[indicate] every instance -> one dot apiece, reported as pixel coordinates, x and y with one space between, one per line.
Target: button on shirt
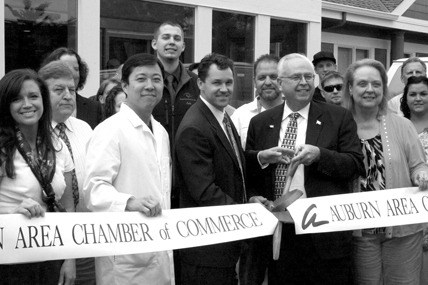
298 181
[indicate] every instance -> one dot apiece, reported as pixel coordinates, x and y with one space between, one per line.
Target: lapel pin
318 123
271 126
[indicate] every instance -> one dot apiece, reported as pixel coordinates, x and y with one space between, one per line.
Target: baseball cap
323 55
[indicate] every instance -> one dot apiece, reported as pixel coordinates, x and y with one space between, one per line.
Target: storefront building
106 32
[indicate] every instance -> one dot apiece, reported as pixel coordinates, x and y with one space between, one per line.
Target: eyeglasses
331 88
298 77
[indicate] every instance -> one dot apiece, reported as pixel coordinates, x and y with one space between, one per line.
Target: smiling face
144 89
297 92
266 80
367 88
169 43
27 108
218 86
63 97
417 98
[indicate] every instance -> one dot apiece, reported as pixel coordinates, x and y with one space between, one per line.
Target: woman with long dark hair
35 169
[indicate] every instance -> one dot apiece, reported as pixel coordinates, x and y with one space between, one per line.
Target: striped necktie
74 186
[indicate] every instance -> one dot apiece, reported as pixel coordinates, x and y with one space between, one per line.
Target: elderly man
331 88
129 169
267 94
323 62
75 133
413 66
328 152
210 167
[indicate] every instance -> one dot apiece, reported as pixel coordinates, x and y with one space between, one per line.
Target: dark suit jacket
208 174
89 111
334 131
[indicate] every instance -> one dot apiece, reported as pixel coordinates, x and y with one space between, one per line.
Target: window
33 29
327 47
287 37
361 54
381 55
233 36
127 28
344 59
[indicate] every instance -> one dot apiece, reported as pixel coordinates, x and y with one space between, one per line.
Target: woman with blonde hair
393 158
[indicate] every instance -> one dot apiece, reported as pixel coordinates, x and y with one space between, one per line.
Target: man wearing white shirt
76 133
129 169
329 153
267 94
413 66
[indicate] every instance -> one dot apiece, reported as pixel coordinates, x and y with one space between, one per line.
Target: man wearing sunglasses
331 88
323 62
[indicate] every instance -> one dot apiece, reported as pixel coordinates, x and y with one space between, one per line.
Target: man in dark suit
89 111
209 166
328 150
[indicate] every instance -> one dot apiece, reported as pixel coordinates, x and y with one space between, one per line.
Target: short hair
109 105
10 88
265 58
170 23
291 56
55 69
193 66
403 101
220 60
413 59
139 59
349 80
83 67
330 75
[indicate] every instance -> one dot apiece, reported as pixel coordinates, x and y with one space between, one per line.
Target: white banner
374 209
77 235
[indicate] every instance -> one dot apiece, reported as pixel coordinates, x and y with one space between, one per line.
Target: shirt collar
67 123
133 117
304 112
219 115
176 73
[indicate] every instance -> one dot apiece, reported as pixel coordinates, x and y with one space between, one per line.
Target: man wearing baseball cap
323 62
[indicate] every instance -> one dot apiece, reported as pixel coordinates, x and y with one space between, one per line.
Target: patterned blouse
375 171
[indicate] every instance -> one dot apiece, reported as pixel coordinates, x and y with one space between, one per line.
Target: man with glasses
326 147
331 85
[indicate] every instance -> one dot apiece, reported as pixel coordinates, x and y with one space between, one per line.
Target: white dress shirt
78 133
298 181
242 116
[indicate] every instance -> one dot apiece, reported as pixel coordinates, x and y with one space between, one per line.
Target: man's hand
262 200
147 205
276 155
67 274
422 180
307 154
29 208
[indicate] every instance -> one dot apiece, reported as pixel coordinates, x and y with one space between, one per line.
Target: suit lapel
315 124
217 130
274 127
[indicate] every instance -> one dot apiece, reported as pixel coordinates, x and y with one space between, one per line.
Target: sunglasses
330 88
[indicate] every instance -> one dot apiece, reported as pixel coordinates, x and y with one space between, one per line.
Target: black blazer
89 111
334 131
208 174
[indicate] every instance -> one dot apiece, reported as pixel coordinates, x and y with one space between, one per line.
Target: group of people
172 144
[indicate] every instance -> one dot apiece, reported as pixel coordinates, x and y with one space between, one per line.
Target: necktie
170 87
289 142
74 186
232 140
